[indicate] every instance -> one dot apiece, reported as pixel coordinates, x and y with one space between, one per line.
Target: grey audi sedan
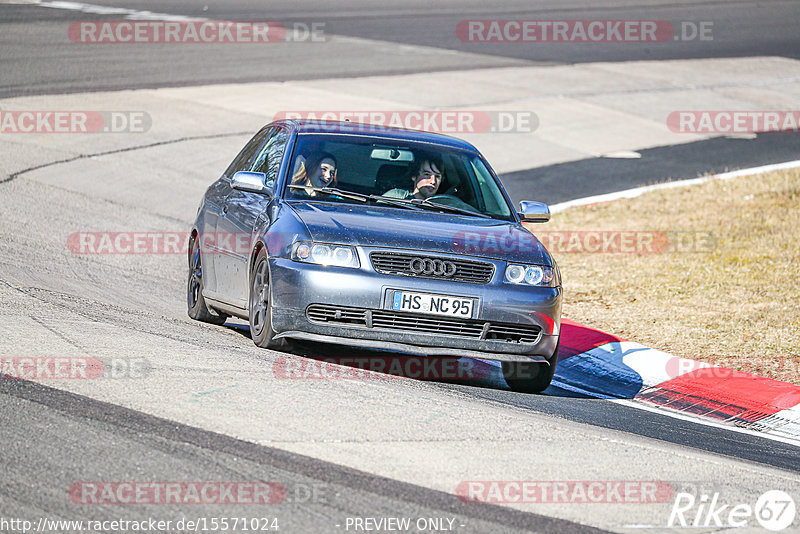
380 238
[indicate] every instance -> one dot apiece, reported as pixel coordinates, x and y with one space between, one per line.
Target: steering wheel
444 196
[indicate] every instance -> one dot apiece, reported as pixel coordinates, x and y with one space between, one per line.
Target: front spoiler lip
414 349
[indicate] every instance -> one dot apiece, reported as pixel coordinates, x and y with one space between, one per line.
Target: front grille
415 323
473 272
331 314
408 322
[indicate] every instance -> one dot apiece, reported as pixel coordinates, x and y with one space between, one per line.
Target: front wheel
529 377
261 307
196 304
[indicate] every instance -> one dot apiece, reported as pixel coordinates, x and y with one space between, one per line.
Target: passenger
425 175
322 172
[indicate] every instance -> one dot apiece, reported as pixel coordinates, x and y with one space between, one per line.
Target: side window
491 196
270 156
242 161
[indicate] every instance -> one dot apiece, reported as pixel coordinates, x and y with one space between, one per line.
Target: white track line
129 14
636 191
134 14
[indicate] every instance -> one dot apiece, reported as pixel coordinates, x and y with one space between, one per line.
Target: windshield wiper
356 196
400 202
332 191
416 203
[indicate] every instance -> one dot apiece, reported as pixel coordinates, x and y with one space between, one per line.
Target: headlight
325 254
532 275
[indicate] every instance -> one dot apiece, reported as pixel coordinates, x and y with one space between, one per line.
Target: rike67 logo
774 510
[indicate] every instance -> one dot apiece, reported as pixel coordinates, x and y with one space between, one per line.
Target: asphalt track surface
597 176
50 437
34 59
313 487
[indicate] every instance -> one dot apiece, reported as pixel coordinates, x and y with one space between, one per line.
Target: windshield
353 169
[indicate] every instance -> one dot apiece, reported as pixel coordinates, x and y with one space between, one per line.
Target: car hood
377 226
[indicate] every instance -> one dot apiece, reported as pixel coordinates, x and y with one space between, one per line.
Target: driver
426 176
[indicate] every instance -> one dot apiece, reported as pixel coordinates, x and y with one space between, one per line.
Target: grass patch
727 291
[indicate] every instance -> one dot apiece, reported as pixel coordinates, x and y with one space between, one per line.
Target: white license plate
433 304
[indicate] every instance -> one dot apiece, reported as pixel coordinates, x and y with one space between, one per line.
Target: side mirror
253 182
530 211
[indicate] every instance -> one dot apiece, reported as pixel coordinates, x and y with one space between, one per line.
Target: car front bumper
296 286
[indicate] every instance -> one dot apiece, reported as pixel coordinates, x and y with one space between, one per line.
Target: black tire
196 304
260 309
529 377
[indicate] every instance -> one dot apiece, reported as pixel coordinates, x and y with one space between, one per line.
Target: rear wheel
261 307
529 377
196 304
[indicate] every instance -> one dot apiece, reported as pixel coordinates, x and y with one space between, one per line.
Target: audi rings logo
430 266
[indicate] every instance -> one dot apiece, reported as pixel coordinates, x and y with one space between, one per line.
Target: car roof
303 126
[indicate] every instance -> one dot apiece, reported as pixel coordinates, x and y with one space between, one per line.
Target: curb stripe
627 370
577 338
